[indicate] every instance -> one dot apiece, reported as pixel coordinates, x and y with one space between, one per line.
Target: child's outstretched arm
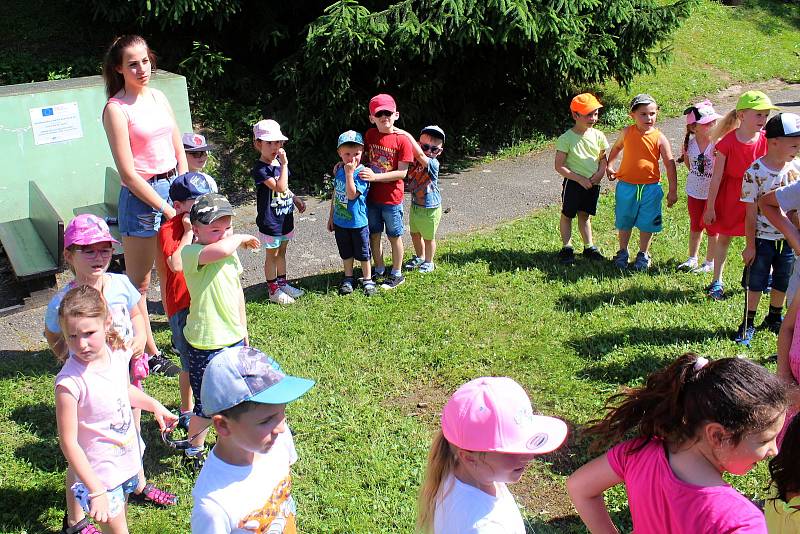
67 422
710 215
769 206
226 247
140 399
586 486
563 170
665 150
419 154
368 175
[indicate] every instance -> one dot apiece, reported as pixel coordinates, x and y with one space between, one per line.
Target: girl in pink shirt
692 421
93 411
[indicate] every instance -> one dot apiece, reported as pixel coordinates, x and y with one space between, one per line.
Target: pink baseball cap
382 102
701 113
494 414
268 130
87 229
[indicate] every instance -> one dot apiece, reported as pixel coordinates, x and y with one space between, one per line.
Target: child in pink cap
88 247
489 435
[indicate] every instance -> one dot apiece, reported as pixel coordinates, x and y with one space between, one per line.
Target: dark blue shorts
352 242
198 360
774 257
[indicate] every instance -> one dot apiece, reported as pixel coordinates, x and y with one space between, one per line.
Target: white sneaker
279 297
688 265
705 267
294 292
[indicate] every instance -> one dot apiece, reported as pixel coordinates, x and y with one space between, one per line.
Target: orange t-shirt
640 153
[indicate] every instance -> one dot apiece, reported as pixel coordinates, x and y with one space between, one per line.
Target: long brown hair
113 59
441 462
86 301
784 469
677 401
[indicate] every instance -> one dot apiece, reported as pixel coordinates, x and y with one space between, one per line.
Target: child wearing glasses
387 156
426 200
698 156
581 160
197 151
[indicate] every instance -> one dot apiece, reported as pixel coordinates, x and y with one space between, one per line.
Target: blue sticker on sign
46 112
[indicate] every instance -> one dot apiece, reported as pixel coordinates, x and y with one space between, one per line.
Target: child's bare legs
376 247
624 237
271 264
430 250
416 239
348 267
366 269
720 255
565 229
187 401
198 427
140 255
694 244
116 525
397 252
711 246
645 238
280 259
585 228
74 510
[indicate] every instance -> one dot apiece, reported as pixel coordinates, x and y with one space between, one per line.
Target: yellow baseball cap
754 100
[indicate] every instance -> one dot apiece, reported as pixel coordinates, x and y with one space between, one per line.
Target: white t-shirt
464 509
698 183
247 499
758 181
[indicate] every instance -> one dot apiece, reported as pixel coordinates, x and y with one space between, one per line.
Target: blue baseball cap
350 136
189 185
239 374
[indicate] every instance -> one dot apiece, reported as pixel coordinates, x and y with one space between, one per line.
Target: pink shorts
696 208
274 241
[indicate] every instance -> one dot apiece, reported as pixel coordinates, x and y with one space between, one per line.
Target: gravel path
479 197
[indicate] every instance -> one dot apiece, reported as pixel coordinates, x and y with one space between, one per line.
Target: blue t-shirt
274 211
423 183
120 295
349 213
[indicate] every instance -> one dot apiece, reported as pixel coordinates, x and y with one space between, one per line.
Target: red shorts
729 209
696 208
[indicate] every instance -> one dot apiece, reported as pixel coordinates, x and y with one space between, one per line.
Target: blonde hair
725 125
441 462
85 301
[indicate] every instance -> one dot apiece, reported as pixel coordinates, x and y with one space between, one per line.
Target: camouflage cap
210 207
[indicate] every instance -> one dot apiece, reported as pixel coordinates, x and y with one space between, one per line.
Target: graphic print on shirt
340 202
124 423
419 183
381 158
281 202
277 516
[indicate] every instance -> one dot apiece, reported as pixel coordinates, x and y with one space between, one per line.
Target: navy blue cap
189 185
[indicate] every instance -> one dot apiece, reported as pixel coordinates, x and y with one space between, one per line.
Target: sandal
84 526
153 495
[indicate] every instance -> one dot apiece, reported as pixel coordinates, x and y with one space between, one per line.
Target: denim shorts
352 242
775 257
638 205
117 497
389 216
198 360
177 323
137 218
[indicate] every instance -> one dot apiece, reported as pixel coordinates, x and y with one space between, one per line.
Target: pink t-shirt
660 503
150 127
739 156
106 431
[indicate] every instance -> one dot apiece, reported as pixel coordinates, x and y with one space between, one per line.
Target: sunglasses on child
95 252
197 154
433 149
384 113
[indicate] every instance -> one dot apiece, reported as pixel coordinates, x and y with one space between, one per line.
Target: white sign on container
53 124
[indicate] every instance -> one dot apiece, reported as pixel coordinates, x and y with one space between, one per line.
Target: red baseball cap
382 102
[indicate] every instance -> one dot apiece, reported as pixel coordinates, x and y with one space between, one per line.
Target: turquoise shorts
639 206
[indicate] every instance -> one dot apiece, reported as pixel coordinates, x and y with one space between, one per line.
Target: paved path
482 196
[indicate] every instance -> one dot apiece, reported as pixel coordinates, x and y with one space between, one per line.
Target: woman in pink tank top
789 359
146 144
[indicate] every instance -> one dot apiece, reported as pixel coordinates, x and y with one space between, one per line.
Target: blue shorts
352 242
274 241
774 257
177 323
117 497
137 218
639 206
389 216
198 360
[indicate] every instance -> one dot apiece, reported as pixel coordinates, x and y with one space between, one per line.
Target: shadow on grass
595 346
318 283
20 363
572 523
21 509
590 302
788 11
40 420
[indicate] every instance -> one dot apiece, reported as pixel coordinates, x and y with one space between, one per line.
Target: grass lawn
497 304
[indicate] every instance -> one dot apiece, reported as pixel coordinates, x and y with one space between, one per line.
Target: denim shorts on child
352 242
424 221
776 257
137 218
575 198
116 496
198 360
638 205
389 216
176 324
274 241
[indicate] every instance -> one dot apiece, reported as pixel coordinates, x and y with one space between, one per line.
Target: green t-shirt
583 151
213 321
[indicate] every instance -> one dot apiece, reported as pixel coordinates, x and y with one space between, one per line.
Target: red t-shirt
739 156
176 295
384 153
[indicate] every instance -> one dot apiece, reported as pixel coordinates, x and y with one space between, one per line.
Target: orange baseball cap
585 103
